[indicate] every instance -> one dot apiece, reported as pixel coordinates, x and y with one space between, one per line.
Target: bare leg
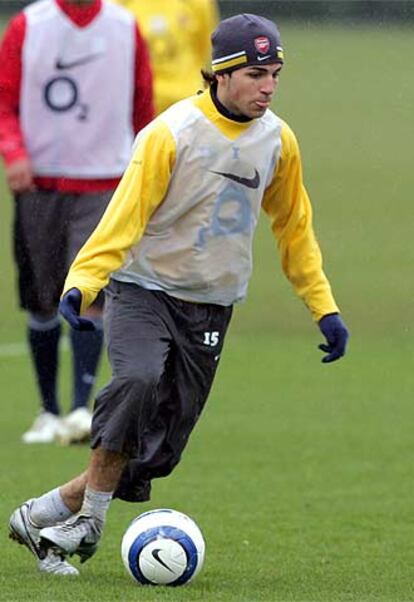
72 492
103 474
105 469
88 494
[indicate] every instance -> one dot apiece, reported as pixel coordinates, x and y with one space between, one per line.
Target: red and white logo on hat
262 44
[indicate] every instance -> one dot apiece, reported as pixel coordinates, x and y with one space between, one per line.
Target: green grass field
299 474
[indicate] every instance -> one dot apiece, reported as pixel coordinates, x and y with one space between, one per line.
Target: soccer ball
163 547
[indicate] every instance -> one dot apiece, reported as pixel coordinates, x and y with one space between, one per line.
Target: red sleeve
143 110
12 145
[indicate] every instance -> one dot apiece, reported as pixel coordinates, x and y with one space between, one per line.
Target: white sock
49 509
96 504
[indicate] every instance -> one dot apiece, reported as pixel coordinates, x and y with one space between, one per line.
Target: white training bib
78 85
197 245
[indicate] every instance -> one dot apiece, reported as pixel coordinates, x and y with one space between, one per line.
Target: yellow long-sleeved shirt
183 217
178 37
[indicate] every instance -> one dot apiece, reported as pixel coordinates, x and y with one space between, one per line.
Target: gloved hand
70 306
336 334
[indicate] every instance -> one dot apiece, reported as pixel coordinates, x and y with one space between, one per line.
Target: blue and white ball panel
163 547
171 565
163 555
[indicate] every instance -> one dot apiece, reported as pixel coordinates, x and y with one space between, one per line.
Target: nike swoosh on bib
156 554
249 182
61 64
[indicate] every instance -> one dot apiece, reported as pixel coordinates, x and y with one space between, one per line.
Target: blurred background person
75 87
178 37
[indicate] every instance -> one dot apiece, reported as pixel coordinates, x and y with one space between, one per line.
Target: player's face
248 91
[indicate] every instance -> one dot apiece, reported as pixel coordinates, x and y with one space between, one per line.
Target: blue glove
336 334
70 306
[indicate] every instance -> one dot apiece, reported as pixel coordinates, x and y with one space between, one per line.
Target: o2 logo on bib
231 215
61 94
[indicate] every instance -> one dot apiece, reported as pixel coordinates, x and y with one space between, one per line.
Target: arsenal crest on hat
245 40
262 44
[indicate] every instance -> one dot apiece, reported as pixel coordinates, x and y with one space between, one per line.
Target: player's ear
221 77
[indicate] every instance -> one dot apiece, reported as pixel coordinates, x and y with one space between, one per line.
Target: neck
221 107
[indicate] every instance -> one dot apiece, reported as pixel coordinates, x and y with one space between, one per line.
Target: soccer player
178 38
75 87
174 251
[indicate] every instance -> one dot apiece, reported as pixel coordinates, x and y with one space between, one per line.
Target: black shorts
49 229
164 353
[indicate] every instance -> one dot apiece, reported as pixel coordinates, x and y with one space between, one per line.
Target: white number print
211 338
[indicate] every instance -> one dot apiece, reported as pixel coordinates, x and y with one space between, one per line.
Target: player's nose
268 85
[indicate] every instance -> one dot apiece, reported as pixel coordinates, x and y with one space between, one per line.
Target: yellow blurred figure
178 36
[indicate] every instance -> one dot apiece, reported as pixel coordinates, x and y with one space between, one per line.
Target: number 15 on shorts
211 339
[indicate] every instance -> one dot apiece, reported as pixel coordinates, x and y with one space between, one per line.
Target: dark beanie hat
245 40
